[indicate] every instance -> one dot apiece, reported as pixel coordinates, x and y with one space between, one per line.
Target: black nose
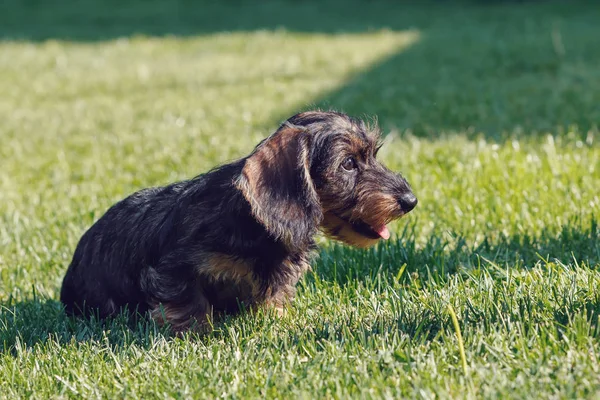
407 201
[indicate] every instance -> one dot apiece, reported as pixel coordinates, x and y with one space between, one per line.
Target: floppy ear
276 181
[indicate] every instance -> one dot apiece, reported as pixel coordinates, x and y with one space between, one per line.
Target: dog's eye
349 164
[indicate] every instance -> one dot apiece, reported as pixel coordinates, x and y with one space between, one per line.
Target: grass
491 113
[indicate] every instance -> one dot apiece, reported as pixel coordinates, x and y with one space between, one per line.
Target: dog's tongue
383 231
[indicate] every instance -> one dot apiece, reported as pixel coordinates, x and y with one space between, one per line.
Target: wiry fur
241 233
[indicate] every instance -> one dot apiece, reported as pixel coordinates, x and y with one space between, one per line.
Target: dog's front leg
279 300
281 289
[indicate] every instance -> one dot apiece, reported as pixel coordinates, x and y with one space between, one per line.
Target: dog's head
319 170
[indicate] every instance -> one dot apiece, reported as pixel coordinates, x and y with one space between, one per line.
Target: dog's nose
407 201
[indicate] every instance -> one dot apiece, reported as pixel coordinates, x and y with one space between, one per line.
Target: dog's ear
276 181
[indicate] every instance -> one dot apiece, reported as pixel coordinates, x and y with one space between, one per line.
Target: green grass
491 113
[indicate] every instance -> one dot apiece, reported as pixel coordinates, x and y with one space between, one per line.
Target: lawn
490 110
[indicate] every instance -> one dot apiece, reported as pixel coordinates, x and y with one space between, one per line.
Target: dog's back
104 273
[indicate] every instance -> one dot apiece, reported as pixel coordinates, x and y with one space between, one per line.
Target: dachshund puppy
241 234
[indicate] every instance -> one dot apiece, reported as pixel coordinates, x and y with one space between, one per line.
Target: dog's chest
228 296
227 282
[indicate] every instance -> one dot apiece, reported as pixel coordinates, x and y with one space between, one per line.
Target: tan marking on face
357 147
376 209
337 228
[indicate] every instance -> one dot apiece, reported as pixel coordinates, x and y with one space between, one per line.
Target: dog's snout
407 201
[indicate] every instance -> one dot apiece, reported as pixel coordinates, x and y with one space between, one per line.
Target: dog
241 235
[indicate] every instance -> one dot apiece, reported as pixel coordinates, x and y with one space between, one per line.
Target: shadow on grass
577 317
439 257
501 69
97 20
430 266
27 323
24 324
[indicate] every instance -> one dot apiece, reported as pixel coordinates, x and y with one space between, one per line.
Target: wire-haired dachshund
241 234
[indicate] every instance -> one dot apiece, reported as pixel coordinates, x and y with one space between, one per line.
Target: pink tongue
383 231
